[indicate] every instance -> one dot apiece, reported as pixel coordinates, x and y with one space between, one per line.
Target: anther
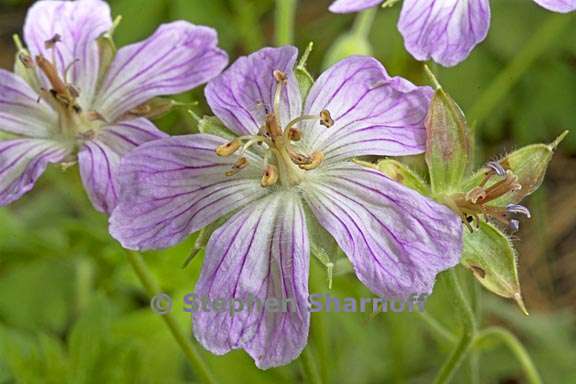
326 119
294 134
270 176
238 165
228 148
279 76
26 60
316 160
49 44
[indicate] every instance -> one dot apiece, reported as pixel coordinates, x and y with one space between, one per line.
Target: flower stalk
284 23
151 287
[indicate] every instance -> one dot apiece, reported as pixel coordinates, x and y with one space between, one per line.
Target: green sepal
107 49
213 126
448 143
24 65
348 44
404 175
489 254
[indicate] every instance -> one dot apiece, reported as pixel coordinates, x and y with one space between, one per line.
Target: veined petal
22 162
444 30
179 56
21 112
562 6
78 23
373 113
173 187
243 94
396 239
99 159
261 254
347 6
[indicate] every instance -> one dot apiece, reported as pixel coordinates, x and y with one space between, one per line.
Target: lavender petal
261 253
519 209
173 187
79 24
562 6
443 30
99 159
22 162
373 113
348 6
243 95
397 240
179 56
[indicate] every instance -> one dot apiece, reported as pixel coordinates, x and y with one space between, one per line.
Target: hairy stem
515 346
151 287
284 21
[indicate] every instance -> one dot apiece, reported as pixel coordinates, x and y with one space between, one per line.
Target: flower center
282 161
474 203
74 123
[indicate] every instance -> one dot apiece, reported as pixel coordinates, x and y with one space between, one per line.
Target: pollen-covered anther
51 43
238 166
326 119
315 160
270 176
228 148
280 76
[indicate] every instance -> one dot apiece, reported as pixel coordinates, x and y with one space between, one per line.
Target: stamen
476 194
228 148
316 160
238 166
326 119
281 79
270 176
294 134
51 43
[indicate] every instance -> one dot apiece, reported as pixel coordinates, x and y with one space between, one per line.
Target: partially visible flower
288 172
67 103
445 31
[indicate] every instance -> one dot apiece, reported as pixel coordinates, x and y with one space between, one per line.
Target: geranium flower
445 31
286 173
68 104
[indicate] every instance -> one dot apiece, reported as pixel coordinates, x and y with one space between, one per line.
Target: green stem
501 86
284 21
151 287
516 347
363 23
311 372
436 327
466 315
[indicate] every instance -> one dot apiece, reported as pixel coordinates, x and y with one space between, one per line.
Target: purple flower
443 30
285 174
69 105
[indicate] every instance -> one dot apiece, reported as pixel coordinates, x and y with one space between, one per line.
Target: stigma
476 201
284 163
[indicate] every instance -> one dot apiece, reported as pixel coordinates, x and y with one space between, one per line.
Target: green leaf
489 254
448 143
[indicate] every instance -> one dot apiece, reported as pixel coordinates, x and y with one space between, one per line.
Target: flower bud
448 143
489 254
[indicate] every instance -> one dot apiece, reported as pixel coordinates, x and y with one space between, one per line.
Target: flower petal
261 254
243 94
179 56
22 162
21 112
373 113
396 239
99 159
79 24
444 30
347 6
562 6
175 186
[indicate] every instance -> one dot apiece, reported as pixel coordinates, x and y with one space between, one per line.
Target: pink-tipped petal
260 254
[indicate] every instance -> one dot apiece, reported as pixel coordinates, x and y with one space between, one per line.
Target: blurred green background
72 311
